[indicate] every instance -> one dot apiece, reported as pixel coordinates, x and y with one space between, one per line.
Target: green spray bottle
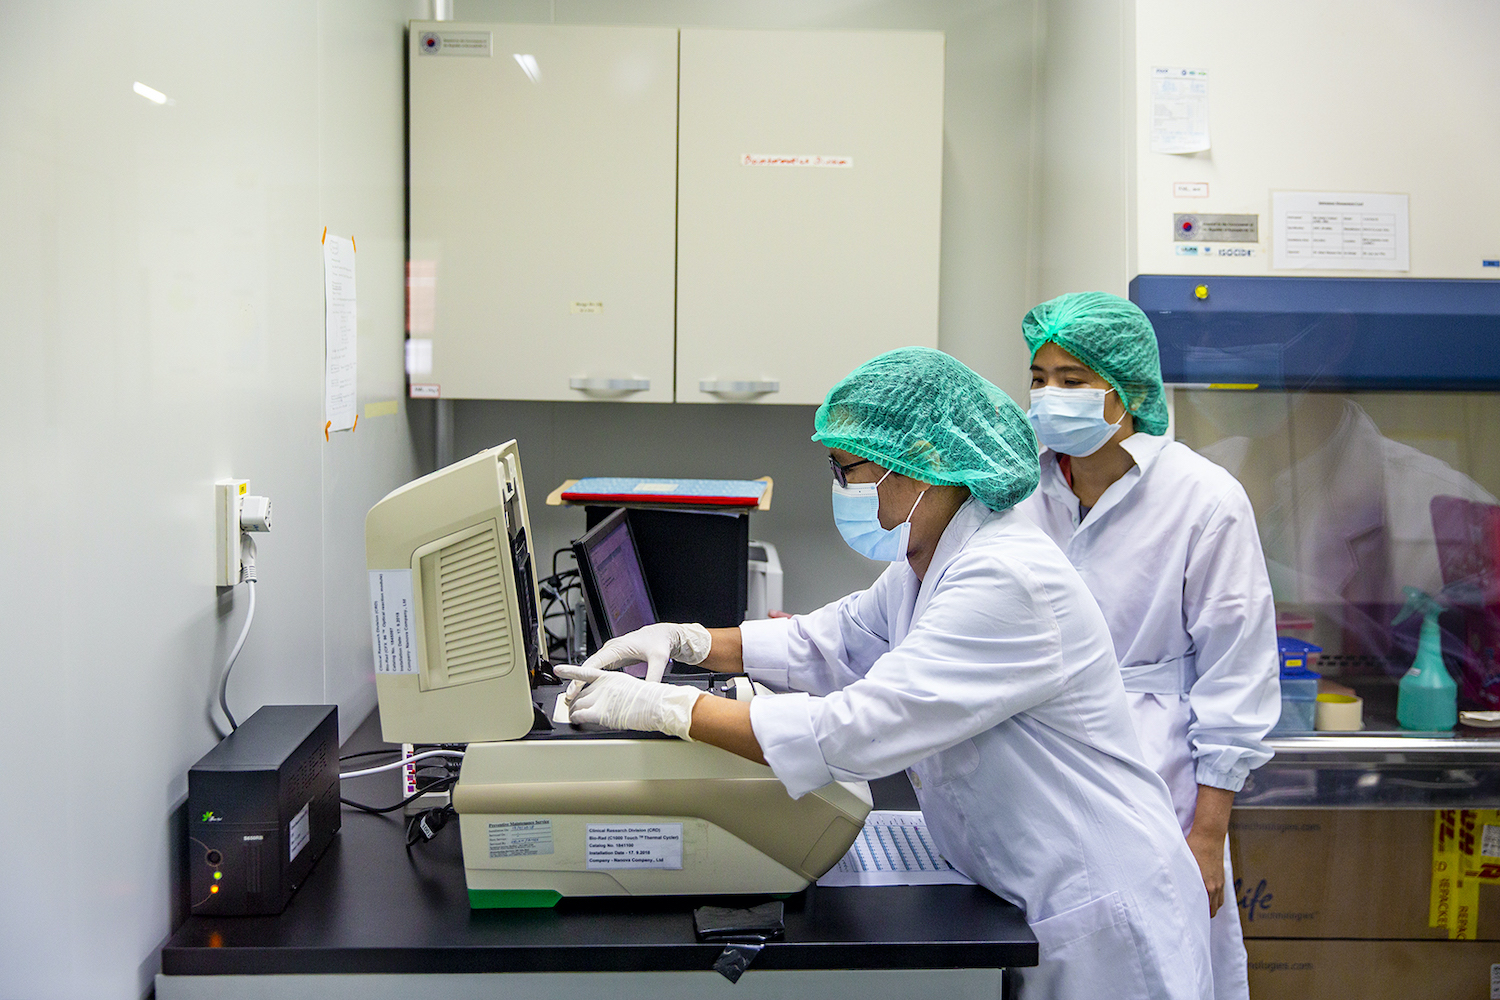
1427 698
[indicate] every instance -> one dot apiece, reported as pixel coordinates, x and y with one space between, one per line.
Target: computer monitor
614 584
453 594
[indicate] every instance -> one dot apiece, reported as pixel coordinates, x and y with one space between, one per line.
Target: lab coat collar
1143 448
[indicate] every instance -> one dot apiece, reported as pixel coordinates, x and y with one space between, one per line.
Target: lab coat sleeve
1229 612
986 647
826 649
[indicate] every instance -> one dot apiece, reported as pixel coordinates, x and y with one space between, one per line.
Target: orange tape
325 429
352 246
355 426
325 235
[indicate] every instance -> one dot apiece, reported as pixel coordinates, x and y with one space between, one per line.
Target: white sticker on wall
391 622
1342 230
1190 189
298 832
523 838
585 307
795 160
634 845
419 356
426 390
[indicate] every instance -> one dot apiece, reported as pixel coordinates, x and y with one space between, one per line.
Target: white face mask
856 513
1071 421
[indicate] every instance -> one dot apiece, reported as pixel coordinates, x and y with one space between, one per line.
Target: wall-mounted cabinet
651 214
542 198
809 207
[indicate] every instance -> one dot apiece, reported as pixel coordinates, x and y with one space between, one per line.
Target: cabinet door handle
709 385
610 384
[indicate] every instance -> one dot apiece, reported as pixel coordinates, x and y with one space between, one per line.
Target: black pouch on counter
745 933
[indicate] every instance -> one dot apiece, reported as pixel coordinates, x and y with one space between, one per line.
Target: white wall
985 285
1086 152
161 314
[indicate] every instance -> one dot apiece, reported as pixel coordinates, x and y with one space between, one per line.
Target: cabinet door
543 173
809 207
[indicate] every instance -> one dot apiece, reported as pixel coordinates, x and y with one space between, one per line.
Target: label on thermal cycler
634 845
391 622
520 838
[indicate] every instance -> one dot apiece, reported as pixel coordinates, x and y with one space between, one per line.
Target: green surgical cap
1113 337
924 414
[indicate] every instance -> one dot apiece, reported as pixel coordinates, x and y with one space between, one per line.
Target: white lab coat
993 681
1171 553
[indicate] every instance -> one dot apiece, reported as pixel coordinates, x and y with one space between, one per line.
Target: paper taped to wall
1179 110
341 337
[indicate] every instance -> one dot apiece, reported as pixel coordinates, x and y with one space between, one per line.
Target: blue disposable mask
1071 421
856 513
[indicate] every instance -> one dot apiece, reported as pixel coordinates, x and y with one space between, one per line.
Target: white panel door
809 207
543 179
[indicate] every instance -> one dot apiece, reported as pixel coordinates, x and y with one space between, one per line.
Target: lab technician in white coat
979 662
1166 541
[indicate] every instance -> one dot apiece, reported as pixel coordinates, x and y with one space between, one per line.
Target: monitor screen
614 584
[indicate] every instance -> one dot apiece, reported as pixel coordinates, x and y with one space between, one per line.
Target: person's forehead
1050 357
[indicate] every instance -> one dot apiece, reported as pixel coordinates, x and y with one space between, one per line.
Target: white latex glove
654 645
619 701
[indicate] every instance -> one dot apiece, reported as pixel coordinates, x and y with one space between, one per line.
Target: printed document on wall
1340 231
340 397
894 848
1179 110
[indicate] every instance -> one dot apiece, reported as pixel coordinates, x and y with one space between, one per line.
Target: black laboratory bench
371 912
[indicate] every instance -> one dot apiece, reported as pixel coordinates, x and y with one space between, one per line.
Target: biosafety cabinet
1298 195
658 215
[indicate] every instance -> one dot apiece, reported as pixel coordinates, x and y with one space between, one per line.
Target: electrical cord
423 826
397 750
247 575
400 763
442 784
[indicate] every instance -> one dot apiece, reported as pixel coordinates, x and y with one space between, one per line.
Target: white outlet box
227 494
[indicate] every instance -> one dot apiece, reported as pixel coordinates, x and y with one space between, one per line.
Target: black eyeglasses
841 472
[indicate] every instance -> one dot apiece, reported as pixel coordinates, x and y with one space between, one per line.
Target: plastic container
1427 697
1299 688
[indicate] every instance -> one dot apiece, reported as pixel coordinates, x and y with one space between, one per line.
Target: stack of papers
894 848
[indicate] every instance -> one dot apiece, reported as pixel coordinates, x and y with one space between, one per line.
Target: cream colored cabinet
593 217
809 207
543 164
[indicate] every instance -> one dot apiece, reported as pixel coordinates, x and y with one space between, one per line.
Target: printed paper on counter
1179 110
340 335
894 848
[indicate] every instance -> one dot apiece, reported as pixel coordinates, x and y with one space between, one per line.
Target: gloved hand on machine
603 695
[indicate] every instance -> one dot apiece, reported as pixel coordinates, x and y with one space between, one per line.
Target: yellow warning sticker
1479 839
1461 861
1446 864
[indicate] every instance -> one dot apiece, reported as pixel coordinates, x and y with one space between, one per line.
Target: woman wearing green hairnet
1166 541
977 661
